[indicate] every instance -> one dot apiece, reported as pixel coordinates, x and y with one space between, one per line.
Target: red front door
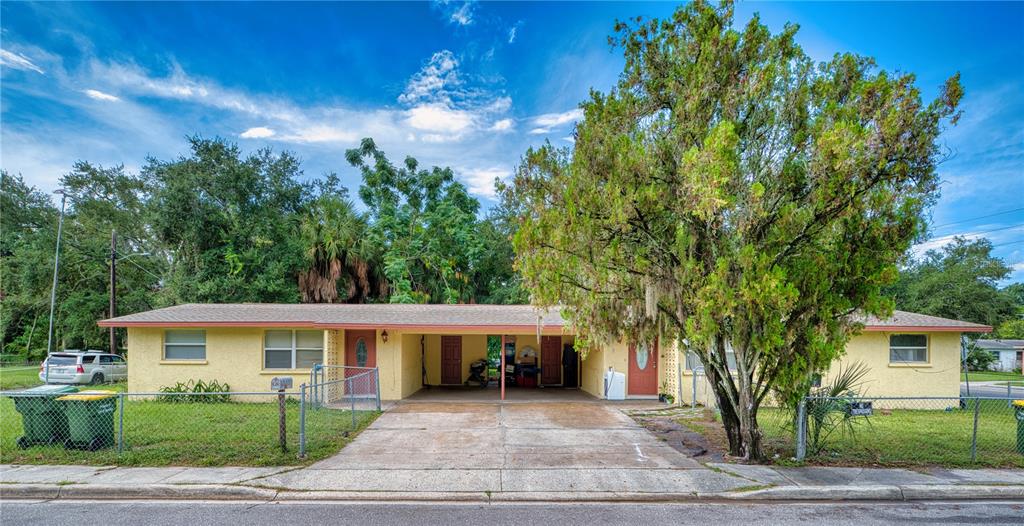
360 357
550 360
451 360
643 369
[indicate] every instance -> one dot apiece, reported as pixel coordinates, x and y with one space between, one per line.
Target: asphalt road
310 513
987 389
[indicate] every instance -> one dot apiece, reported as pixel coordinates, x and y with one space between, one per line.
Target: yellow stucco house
414 346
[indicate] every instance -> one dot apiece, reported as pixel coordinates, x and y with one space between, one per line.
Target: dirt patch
688 431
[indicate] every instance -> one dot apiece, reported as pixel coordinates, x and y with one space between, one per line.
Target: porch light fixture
384 336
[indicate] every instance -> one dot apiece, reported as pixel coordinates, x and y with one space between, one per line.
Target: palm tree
339 247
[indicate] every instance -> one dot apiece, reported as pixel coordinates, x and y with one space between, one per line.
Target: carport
549 364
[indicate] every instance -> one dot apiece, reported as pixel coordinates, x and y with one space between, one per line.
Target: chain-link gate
336 392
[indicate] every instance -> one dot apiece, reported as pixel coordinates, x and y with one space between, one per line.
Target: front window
908 348
292 349
185 345
693 361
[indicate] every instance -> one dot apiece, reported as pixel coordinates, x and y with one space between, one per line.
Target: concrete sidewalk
714 482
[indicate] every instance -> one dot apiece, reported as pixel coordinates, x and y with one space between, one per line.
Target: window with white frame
908 348
185 344
693 361
292 349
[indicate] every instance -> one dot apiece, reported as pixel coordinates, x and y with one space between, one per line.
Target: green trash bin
1018 407
90 417
42 416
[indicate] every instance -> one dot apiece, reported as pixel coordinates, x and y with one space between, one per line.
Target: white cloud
463 16
996 233
439 118
99 95
512 34
549 121
321 133
445 115
481 181
442 104
259 132
502 125
558 119
17 61
500 105
434 80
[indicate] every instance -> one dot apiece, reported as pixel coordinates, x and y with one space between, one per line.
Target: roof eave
926 328
506 328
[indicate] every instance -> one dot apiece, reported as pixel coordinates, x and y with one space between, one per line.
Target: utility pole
56 265
113 288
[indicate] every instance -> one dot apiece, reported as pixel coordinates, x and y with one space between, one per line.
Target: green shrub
196 388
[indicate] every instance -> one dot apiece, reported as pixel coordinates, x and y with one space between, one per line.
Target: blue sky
470 86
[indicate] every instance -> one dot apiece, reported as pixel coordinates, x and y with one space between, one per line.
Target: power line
969 219
993 230
1008 243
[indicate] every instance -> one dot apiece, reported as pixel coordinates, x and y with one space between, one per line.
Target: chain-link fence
956 431
354 398
198 429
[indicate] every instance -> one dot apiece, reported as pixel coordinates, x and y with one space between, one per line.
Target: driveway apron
509 447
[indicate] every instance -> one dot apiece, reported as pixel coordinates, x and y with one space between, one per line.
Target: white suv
77 367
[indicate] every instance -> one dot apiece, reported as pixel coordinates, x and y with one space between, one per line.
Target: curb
778 493
153 491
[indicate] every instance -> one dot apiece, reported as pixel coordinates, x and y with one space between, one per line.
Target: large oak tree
729 193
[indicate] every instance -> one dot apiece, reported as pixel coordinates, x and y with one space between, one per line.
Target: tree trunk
730 421
739 415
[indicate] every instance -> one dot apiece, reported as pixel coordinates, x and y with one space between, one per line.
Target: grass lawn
900 437
182 434
19 377
991 376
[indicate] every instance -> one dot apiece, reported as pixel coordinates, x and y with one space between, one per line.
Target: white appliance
614 385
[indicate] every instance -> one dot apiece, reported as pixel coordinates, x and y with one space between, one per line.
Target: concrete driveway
485 447
527 435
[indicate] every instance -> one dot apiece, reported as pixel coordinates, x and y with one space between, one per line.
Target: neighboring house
1008 353
246 345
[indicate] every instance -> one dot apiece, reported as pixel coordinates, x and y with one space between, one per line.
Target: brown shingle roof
343 315
902 320
520 317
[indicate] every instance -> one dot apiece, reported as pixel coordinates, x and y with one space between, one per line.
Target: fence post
974 434
352 398
281 422
302 421
801 429
1009 395
377 382
120 423
693 398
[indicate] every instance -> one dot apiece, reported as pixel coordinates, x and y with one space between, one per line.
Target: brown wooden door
550 360
451 360
360 357
643 369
